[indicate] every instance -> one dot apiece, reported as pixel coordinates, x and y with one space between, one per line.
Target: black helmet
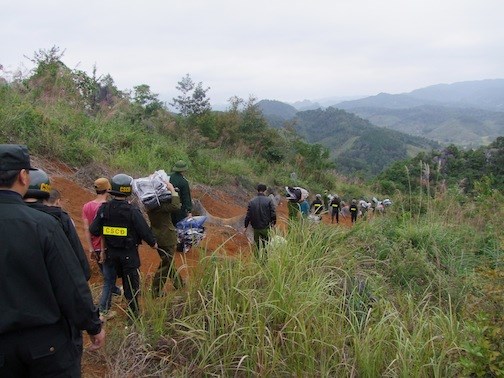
40 186
121 185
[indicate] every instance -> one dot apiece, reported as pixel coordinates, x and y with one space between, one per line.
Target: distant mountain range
482 94
467 114
368 133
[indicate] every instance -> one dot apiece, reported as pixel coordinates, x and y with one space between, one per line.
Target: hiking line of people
261 212
299 206
42 261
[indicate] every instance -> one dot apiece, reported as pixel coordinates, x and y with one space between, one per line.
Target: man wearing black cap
44 296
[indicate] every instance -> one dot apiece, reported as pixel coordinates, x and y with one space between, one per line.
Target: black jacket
41 279
69 230
261 212
335 203
121 216
317 206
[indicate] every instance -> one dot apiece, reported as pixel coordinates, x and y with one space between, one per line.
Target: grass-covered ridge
67 115
415 292
397 295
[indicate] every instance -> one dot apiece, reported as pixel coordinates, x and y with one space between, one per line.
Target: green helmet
121 185
40 186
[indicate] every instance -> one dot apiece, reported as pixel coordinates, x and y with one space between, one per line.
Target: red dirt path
220 204
224 240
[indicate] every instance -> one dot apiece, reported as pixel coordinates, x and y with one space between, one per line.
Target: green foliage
389 297
356 146
80 119
475 172
193 100
465 126
392 296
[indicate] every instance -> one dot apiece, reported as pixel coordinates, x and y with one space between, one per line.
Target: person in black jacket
37 198
261 215
44 296
317 206
353 210
123 227
335 205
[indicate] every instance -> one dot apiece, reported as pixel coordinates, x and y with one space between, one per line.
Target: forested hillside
84 119
470 171
354 144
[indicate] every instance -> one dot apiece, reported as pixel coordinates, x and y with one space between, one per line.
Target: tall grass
383 298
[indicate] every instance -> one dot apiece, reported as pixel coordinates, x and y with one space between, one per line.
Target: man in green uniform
326 200
44 296
182 186
166 237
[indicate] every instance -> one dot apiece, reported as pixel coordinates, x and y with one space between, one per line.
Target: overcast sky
284 50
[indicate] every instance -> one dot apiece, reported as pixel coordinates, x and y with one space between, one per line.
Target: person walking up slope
353 210
44 297
166 236
123 227
261 215
37 198
317 206
96 249
335 205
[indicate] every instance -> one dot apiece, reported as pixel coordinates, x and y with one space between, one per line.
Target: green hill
461 126
354 143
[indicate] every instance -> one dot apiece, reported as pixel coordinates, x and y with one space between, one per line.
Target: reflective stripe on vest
115 231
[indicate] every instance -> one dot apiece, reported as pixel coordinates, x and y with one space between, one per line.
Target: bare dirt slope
224 236
223 231
225 206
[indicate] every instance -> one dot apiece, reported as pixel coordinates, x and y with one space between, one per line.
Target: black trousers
127 263
353 216
46 351
335 214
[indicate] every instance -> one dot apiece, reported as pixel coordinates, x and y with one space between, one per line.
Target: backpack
152 190
296 193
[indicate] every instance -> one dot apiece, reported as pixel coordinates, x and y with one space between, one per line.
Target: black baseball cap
14 157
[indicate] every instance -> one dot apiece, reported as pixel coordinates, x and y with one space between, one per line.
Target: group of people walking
261 211
45 298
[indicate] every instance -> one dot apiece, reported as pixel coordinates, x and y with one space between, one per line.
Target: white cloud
285 50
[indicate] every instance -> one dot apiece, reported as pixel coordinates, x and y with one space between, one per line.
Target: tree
44 58
193 100
146 99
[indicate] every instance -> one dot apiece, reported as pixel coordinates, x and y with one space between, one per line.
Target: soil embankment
224 230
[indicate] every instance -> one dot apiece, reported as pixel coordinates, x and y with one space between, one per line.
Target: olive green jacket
181 183
161 222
